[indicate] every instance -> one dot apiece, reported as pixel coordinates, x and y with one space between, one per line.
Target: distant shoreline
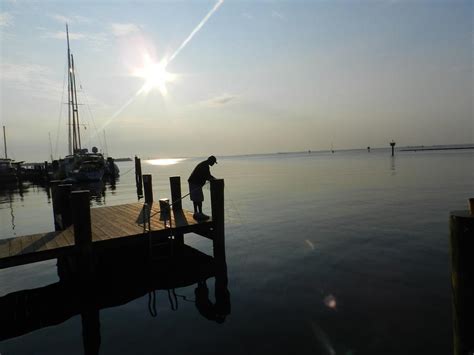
440 148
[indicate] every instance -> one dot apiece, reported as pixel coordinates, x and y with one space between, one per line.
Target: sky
192 78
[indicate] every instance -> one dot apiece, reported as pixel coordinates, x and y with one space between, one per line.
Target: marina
342 130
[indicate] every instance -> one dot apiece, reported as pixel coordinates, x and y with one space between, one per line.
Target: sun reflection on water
168 161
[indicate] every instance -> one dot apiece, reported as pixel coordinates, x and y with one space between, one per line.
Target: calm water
343 253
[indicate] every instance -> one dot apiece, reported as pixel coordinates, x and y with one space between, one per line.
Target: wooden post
81 216
222 306
175 184
138 177
61 205
148 187
217 205
461 225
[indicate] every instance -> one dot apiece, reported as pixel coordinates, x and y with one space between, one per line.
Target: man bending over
197 179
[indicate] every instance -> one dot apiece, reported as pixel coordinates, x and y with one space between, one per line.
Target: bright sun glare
155 75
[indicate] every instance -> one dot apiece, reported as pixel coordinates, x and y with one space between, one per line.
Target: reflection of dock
118 280
116 283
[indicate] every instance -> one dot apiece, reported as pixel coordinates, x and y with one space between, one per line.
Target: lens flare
155 76
155 73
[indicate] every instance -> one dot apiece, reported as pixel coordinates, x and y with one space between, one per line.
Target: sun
155 76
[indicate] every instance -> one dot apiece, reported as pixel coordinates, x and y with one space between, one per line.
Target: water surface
343 253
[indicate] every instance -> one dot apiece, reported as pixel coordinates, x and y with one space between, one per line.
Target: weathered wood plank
26 243
65 238
47 242
4 248
15 246
53 243
98 234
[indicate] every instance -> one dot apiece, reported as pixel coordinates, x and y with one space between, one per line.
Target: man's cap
212 158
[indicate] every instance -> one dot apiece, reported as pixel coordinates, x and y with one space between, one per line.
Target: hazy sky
191 78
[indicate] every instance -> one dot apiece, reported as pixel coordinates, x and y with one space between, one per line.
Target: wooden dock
111 227
102 260
103 228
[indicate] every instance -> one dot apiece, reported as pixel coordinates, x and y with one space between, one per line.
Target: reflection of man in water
215 312
198 178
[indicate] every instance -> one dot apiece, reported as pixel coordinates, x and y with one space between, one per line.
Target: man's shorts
195 192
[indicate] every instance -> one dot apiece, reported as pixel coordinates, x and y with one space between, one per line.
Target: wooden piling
217 206
81 216
175 184
148 188
138 177
61 204
462 278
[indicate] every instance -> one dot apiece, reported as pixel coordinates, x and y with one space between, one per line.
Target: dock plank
66 238
15 246
26 243
47 241
4 248
53 243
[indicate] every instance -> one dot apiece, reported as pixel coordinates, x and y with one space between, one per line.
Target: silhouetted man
198 178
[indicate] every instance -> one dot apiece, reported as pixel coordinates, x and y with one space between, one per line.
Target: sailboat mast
50 147
69 125
75 110
105 143
5 142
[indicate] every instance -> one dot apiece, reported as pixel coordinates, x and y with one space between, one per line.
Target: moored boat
8 172
79 165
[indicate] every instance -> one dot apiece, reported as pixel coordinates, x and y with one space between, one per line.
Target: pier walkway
82 231
112 226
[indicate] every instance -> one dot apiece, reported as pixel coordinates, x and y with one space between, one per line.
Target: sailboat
80 164
8 172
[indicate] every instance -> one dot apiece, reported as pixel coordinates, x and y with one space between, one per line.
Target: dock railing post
81 216
148 188
175 184
138 177
217 206
461 225
61 204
